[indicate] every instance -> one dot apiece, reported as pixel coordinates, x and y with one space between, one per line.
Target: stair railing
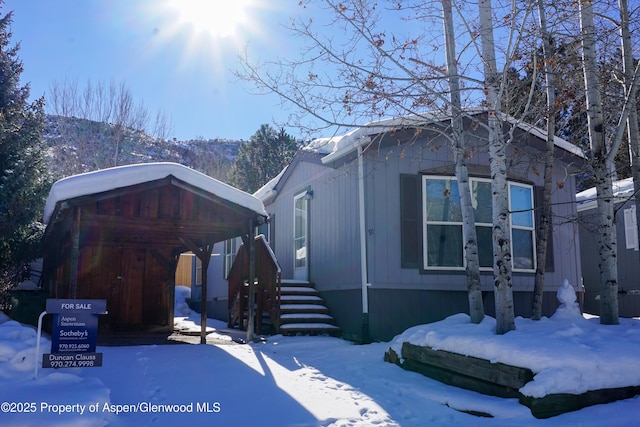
268 283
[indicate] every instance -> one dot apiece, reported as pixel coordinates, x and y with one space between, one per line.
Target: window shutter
410 231
631 228
538 197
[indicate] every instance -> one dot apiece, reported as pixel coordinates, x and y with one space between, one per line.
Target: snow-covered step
298 290
305 318
309 329
303 311
302 299
303 308
293 282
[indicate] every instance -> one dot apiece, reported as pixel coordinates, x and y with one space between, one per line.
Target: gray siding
400 297
217 289
334 249
383 222
628 265
393 311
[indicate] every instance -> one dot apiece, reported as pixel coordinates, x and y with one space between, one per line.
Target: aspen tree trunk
502 264
476 308
603 169
633 131
545 210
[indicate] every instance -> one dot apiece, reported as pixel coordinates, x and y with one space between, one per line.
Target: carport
117 234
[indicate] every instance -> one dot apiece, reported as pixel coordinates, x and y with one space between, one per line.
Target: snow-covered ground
319 381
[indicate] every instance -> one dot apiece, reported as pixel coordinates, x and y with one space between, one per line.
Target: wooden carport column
204 255
250 244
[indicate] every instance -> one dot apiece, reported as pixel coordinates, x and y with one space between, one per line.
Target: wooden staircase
266 286
288 307
303 311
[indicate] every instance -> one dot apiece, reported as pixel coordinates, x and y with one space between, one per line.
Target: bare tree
604 151
372 71
545 210
502 265
94 106
633 129
476 308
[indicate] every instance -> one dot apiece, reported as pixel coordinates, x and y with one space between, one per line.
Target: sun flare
215 18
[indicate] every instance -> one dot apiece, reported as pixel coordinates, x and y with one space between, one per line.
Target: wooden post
252 286
204 254
75 253
205 258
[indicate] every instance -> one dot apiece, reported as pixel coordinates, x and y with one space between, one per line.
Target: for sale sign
88 306
74 333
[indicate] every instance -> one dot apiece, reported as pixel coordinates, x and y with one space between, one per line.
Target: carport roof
124 176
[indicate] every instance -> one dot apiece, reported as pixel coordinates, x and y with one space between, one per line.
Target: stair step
298 290
306 318
291 282
309 328
302 299
303 308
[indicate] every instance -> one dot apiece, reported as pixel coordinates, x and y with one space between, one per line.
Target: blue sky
167 57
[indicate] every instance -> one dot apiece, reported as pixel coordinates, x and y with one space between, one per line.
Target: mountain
80 145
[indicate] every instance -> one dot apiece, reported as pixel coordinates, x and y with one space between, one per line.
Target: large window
442 231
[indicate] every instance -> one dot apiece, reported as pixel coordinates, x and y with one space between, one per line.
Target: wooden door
126 302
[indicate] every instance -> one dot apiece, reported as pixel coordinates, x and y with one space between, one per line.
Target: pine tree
24 177
262 158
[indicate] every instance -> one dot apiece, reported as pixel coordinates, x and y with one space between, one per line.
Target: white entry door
300 237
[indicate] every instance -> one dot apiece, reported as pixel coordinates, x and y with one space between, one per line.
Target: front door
300 237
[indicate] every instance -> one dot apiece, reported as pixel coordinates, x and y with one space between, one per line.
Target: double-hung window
522 227
443 240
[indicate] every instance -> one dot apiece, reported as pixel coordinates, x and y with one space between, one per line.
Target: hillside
79 145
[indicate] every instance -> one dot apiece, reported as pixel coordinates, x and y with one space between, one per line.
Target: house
371 218
628 254
117 234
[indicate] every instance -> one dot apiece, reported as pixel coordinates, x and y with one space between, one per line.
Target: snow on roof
124 176
267 190
587 199
338 146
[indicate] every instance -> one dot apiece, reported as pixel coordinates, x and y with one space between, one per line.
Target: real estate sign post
74 333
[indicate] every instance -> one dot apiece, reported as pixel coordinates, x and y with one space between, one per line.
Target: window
230 250
264 230
522 226
631 228
442 232
300 216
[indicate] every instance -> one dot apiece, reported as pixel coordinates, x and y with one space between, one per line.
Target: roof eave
343 152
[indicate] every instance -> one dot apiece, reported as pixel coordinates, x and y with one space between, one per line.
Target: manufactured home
372 219
628 254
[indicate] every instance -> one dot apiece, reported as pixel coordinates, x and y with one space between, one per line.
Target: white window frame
531 229
230 250
304 236
426 223
631 228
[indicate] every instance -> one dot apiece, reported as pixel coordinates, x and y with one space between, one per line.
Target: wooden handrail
268 282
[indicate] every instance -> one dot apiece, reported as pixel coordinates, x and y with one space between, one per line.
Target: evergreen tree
24 177
262 158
